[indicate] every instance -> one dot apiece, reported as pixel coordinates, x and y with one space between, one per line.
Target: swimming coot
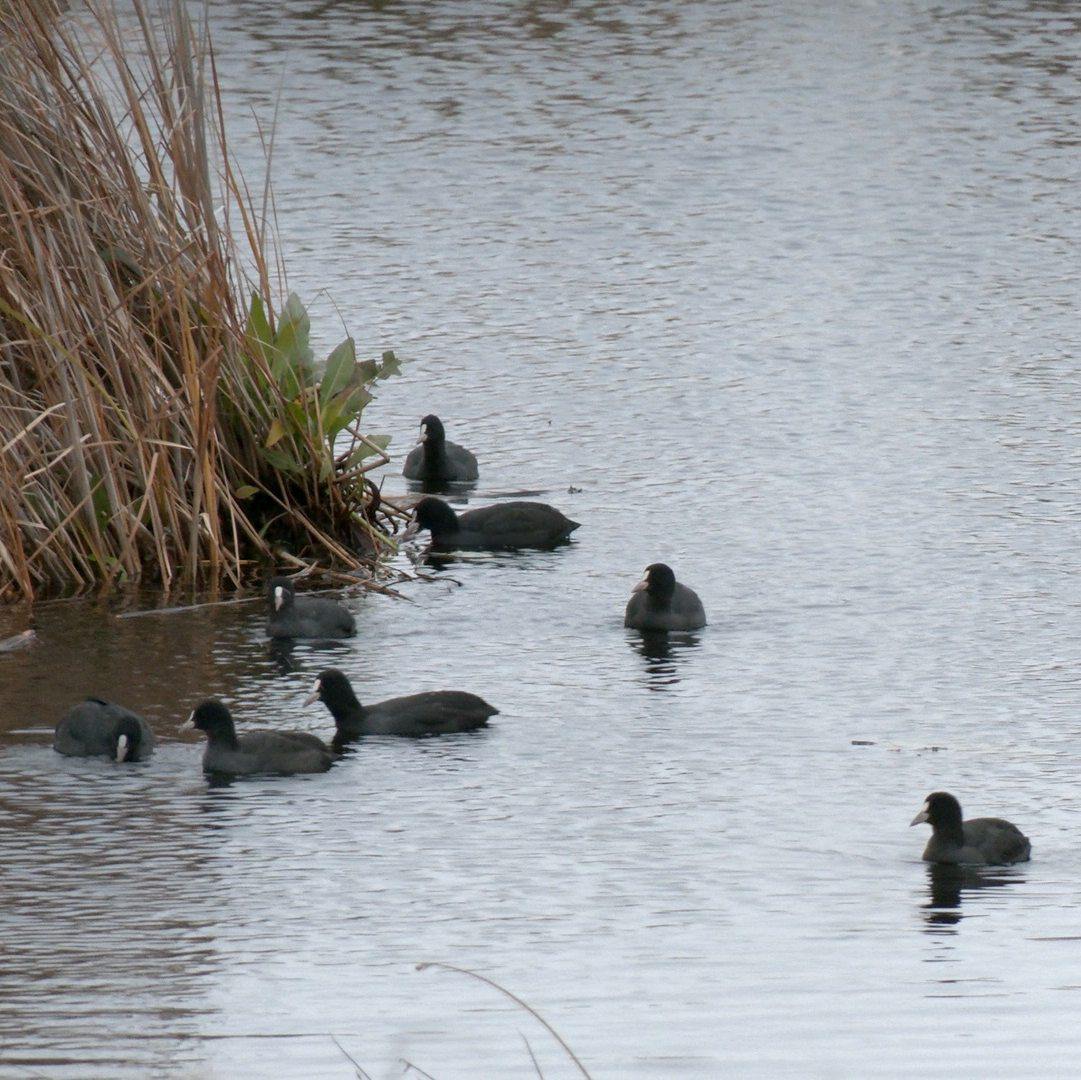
292 616
659 602
980 841
434 458
96 728
501 526
253 752
436 712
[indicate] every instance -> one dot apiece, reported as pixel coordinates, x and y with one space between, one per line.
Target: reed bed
162 417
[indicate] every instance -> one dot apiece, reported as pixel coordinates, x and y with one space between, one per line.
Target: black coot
254 752
659 602
501 526
434 458
96 728
292 616
980 841
436 712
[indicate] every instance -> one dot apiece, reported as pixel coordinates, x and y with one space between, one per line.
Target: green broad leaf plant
312 411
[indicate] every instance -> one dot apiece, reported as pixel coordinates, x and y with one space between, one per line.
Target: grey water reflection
663 653
454 491
103 898
281 653
950 887
285 653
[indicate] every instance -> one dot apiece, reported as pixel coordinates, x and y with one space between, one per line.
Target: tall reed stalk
160 414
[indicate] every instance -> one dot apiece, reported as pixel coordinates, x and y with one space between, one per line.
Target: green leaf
339 371
301 418
291 340
282 460
391 365
358 398
245 491
259 344
289 382
294 311
332 420
258 329
346 409
364 451
275 434
99 500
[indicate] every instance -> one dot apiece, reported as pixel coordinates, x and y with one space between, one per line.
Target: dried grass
137 397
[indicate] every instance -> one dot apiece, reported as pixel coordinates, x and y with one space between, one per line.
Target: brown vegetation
160 415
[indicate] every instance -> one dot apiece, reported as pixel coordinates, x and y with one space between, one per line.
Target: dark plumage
979 841
437 712
253 752
292 616
501 526
659 602
96 728
434 458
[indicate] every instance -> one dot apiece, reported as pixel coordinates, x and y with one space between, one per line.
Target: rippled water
789 292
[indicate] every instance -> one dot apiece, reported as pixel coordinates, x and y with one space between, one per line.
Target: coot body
415 716
498 527
437 459
96 728
659 602
281 753
978 842
292 616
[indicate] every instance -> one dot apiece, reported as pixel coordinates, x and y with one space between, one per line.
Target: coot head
281 592
212 717
127 739
435 515
659 582
333 689
432 430
940 810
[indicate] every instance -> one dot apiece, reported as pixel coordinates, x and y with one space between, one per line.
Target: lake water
789 292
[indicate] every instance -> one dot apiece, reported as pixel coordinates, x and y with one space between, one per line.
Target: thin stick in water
517 1000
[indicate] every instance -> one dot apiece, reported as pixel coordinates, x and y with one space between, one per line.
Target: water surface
787 294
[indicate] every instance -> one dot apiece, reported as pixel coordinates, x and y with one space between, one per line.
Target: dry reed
160 415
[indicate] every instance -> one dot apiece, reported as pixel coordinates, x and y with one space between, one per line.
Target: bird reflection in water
282 652
435 560
663 651
949 884
281 655
456 491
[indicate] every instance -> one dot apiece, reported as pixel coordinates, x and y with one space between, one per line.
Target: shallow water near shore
787 295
